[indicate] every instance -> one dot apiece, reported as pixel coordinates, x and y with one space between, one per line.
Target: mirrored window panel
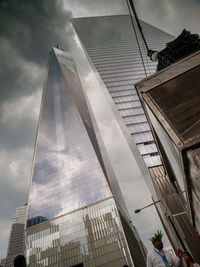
67 174
92 236
116 55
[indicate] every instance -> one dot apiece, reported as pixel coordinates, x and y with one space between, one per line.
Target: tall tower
16 239
114 45
116 51
73 218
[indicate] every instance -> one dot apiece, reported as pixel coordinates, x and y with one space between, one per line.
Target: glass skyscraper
94 146
64 149
115 46
73 218
117 52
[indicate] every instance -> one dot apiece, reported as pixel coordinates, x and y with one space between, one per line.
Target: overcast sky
28 30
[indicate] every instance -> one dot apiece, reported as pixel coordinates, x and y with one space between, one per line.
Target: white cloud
25 108
15 167
86 8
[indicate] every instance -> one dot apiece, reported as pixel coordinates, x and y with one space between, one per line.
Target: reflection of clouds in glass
67 174
78 235
128 166
44 200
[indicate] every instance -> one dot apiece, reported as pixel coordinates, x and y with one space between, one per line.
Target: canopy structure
172 100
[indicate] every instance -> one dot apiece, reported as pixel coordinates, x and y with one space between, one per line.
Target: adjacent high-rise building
117 52
75 217
16 239
3 262
115 47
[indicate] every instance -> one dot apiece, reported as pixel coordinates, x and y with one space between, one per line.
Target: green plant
157 236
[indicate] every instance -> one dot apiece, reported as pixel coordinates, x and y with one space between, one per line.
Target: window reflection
93 236
67 174
115 54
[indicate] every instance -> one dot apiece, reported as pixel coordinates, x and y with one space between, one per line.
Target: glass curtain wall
72 217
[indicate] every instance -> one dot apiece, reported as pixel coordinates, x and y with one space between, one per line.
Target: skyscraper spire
73 217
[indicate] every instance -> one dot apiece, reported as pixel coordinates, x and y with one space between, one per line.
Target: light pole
161 219
153 203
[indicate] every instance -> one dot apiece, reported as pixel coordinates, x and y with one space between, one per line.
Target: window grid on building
119 64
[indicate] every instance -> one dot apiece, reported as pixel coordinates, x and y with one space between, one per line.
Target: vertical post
165 227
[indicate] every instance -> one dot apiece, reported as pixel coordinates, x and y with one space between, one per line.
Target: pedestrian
159 257
189 260
20 261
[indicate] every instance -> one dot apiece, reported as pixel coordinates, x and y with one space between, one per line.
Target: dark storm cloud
28 30
96 8
169 15
32 27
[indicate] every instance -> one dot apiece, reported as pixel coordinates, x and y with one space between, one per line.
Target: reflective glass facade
119 56
93 236
73 218
66 173
112 46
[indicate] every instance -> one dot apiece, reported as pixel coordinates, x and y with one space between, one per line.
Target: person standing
189 260
159 257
